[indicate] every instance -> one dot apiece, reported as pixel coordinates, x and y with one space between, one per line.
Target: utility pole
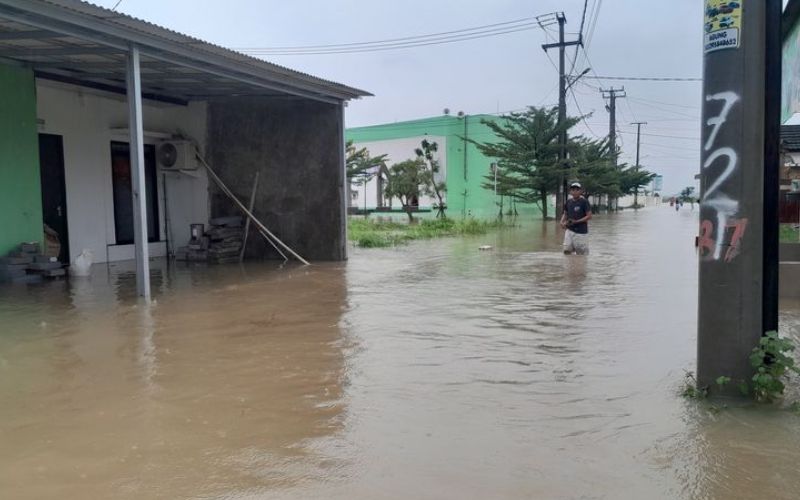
545 21
738 241
612 95
638 145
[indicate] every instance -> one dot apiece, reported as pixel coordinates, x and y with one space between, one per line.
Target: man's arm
587 218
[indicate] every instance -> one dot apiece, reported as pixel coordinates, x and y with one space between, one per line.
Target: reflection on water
428 371
221 387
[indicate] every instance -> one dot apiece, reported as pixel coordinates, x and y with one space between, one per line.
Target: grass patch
789 234
375 234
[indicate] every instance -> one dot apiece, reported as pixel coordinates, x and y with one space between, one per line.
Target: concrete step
17 259
789 252
790 280
44 266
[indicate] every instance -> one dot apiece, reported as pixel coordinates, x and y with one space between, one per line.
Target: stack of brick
28 265
225 239
219 245
196 251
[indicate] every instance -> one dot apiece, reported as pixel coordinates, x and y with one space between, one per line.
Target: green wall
465 176
20 186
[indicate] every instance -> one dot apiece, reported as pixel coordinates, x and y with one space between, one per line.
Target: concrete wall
89 121
297 146
20 188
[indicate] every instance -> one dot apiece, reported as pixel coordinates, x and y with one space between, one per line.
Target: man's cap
575 185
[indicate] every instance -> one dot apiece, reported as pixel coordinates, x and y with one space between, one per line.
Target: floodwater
428 371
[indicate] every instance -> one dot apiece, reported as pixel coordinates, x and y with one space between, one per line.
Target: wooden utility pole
638 165
612 95
544 21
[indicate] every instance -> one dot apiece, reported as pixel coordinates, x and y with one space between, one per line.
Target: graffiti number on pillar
732 233
717 122
721 238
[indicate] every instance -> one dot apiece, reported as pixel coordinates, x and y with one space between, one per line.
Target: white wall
86 119
399 150
646 201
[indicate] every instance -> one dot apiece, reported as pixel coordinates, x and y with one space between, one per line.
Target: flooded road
427 371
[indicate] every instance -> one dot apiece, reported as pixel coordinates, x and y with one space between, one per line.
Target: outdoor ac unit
176 155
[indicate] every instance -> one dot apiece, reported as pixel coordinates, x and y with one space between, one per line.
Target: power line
583 115
116 5
647 78
591 30
390 47
666 110
580 37
390 40
665 103
397 43
681 137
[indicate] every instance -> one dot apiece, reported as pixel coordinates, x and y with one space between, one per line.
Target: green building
466 170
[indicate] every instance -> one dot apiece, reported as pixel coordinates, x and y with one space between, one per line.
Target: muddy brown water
429 371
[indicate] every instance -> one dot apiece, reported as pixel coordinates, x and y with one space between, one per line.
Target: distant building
469 174
790 114
790 173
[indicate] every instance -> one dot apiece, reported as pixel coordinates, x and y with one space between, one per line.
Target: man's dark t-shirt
578 209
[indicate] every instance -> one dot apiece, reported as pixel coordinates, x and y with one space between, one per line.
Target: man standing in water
577 213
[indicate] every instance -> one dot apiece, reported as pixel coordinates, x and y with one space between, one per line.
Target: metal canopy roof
76 42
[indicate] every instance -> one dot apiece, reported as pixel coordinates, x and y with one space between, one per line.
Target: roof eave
207 57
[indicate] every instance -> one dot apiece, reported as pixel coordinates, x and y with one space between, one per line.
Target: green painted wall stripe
20 184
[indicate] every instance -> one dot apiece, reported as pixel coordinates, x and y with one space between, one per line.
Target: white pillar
137 174
344 185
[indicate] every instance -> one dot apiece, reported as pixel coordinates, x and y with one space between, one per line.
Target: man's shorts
575 242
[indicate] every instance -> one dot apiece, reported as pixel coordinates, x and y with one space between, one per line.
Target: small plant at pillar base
691 389
773 362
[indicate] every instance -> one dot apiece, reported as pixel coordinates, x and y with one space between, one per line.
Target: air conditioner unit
176 155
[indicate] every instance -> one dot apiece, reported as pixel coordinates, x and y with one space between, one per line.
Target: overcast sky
632 38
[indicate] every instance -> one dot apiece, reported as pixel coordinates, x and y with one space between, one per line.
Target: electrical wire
402 42
647 78
665 103
580 37
680 137
593 24
667 110
116 5
583 115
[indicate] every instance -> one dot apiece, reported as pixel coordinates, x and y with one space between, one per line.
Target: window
123 192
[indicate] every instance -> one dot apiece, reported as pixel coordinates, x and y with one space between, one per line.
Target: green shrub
372 234
772 361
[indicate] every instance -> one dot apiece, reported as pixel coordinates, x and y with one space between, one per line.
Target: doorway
123 192
54 189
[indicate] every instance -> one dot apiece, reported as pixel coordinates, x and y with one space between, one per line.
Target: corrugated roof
790 137
112 26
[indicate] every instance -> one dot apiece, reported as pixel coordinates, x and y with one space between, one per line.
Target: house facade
90 97
467 172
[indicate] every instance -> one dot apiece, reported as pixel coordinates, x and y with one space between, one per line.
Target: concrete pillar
136 129
735 282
